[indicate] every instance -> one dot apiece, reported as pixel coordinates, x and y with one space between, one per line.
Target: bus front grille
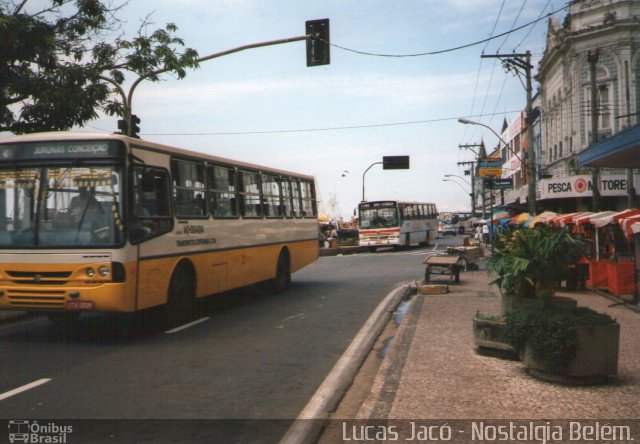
39 278
36 299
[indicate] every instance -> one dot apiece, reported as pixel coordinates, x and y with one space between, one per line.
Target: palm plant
530 262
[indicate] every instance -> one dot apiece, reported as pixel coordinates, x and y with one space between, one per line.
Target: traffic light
122 126
134 126
318 43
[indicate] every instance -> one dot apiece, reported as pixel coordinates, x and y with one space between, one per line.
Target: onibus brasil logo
33 432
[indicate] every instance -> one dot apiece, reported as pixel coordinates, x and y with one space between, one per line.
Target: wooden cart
469 256
442 265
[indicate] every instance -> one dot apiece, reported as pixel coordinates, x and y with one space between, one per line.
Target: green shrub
529 262
550 331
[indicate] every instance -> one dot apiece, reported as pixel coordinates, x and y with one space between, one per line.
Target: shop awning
592 218
622 150
629 224
615 217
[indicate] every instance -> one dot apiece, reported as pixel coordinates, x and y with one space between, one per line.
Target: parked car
443 230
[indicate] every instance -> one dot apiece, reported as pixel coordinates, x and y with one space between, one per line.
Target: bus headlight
91 272
104 271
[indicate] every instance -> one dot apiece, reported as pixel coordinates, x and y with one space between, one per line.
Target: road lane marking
24 388
299 315
188 325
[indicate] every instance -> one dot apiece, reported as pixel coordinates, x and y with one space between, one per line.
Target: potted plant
529 264
556 339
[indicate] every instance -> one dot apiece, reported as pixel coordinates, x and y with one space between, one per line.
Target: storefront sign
581 186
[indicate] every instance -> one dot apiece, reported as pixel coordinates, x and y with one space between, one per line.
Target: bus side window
151 213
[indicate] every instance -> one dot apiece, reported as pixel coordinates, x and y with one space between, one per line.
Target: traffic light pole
127 99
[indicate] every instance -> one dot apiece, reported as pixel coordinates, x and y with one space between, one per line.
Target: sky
266 106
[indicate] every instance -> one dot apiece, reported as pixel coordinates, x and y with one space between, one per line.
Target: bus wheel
64 319
283 273
181 298
461 230
372 249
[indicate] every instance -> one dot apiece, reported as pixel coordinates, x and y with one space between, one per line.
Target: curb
310 422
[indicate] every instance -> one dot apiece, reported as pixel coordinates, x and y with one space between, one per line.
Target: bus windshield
379 217
61 206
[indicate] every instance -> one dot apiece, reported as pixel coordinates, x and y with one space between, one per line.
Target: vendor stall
619 253
597 262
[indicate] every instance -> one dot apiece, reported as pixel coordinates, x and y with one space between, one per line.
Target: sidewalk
434 372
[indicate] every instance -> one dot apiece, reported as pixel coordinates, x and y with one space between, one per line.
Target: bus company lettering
193 229
71 149
196 242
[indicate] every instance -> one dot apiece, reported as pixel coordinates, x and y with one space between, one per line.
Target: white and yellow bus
397 224
108 223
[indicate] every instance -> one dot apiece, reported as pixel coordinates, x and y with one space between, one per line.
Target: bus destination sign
61 150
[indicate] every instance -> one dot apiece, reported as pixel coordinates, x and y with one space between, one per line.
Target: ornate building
605 33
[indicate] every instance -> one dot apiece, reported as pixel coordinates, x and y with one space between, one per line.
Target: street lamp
472 194
531 181
459 177
365 172
457 183
471 122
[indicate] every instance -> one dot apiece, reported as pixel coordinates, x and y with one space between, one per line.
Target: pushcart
469 256
442 264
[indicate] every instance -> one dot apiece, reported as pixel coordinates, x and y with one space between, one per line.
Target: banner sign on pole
499 184
489 167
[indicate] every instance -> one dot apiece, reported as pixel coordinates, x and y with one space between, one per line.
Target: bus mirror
114 179
148 180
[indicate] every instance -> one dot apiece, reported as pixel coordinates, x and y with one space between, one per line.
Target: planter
491 335
596 359
510 302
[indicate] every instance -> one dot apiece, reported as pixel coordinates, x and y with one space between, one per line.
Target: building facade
600 37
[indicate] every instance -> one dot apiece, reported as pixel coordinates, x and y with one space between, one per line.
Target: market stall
620 254
586 228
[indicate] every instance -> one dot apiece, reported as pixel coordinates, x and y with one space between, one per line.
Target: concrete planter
490 335
596 359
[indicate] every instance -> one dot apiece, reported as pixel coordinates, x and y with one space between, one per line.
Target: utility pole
592 58
521 64
473 186
472 173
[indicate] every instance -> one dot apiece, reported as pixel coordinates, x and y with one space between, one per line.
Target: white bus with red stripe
396 223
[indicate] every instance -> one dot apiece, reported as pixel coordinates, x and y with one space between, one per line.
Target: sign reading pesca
581 186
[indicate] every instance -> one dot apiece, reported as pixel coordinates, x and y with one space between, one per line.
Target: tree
59 69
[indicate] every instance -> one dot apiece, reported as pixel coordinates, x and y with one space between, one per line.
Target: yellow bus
108 223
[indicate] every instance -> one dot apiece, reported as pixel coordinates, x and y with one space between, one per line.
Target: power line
514 24
456 48
306 130
531 29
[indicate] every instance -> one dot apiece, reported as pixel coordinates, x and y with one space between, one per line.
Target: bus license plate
79 305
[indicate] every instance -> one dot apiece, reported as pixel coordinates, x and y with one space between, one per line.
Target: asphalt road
253 356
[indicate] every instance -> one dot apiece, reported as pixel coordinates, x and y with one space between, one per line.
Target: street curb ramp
309 424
